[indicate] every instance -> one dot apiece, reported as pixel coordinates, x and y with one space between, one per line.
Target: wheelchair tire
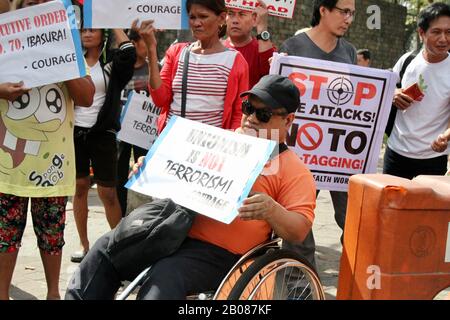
267 279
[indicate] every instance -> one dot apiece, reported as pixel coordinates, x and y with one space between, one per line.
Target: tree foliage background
414 7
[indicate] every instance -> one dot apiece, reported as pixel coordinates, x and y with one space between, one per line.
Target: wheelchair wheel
278 275
239 268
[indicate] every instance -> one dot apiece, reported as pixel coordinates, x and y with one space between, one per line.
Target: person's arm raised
120 36
262 25
147 32
81 91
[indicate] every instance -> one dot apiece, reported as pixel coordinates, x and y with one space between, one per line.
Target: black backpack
150 232
393 113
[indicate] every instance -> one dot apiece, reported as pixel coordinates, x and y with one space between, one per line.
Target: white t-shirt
87 117
417 127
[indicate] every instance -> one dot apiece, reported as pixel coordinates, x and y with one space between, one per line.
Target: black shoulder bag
150 232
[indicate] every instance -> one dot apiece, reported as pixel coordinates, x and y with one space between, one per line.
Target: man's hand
258 206
147 32
136 167
440 144
401 100
280 53
11 91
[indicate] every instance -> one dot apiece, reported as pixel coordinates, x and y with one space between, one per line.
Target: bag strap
405 65
187 53
393 112
282 147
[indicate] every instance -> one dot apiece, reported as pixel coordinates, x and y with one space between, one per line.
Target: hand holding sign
147 33
136 167
11 91
39 45
258 206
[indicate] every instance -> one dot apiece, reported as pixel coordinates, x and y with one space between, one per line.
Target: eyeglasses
263 115
346 13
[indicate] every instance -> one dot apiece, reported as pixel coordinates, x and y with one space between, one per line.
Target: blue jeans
196 267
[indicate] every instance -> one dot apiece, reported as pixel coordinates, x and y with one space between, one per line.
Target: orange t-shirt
288 181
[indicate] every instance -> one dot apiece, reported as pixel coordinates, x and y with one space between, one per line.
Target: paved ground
29 280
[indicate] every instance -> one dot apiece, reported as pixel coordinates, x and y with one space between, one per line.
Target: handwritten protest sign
139 121
278 8
167 14
195 165
339 126
40 45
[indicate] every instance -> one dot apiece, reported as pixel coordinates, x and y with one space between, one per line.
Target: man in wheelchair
282 200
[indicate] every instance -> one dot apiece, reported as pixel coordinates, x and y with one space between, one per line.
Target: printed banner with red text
278 8
204 168
41 45
340 124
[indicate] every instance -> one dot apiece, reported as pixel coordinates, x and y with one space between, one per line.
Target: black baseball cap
276 92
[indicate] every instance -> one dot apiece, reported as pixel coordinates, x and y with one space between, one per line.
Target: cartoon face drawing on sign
26 123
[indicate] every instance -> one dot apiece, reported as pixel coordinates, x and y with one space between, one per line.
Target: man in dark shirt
331 20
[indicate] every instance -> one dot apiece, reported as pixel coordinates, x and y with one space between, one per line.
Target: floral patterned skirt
48 214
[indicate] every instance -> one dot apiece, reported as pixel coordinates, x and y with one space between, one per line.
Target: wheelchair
267 272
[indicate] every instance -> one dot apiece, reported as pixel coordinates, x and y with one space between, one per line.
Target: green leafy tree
414 6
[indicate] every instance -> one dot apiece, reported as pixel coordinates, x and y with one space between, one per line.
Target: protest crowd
58 139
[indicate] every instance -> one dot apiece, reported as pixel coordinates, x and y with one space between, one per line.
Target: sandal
78 256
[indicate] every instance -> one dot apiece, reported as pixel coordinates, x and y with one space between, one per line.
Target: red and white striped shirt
207 82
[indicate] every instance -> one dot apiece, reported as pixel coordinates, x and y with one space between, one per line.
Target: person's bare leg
52 269
7 264
108 195
80 210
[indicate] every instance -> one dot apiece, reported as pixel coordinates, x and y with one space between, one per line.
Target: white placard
447 250
278 8
339 126
201 167
167 14
139 121
40 45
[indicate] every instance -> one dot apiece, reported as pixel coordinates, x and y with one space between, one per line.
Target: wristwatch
265 36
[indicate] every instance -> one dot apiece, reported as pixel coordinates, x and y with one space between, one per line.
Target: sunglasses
263 115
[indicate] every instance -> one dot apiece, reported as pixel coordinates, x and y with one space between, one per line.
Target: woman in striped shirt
216 74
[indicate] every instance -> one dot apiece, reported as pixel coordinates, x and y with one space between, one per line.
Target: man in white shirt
423 102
